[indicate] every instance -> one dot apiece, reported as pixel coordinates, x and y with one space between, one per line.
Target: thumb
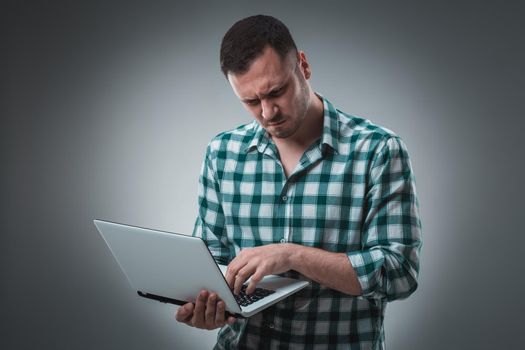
184 312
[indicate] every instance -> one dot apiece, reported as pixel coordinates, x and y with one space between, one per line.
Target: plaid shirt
352 192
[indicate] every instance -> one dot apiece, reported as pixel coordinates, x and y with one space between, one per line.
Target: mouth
277 123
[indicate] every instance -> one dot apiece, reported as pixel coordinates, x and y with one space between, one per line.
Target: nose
269 109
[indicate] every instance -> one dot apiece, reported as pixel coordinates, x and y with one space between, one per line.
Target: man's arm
314 263
387 264
330 269
210 222
208 312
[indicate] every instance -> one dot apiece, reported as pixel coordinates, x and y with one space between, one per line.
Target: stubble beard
304 104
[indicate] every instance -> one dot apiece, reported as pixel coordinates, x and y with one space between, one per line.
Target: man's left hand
256 263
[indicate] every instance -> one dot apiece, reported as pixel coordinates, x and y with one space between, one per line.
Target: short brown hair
247 38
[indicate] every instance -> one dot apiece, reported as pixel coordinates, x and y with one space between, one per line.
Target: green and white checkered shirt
352 192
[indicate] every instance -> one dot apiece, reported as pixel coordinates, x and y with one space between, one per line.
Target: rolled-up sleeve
210 223
387 265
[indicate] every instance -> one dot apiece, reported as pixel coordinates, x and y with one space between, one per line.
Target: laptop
174 268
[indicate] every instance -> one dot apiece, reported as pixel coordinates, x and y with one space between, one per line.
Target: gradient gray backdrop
107 108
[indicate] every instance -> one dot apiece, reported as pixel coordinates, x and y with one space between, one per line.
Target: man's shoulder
234 140
361 133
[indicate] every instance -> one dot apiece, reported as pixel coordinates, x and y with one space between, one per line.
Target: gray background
107 109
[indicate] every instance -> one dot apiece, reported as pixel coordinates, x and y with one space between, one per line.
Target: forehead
265 73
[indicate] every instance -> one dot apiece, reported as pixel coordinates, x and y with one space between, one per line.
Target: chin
282 134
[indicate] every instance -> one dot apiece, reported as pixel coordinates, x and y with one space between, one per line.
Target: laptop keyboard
244 299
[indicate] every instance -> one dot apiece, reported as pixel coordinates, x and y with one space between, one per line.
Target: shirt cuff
368 267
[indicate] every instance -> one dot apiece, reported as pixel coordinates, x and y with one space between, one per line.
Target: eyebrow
279 87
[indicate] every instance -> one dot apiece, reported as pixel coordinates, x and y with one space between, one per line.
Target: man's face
275 91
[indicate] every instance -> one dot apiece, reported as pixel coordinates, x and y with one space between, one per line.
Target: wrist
294 253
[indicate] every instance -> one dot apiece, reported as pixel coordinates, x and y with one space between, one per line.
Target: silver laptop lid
165 264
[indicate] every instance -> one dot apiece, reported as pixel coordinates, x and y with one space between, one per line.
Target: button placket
287 203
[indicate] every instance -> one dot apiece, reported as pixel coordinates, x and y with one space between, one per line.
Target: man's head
247 38
267 72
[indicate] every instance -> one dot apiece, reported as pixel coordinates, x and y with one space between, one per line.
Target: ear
304 65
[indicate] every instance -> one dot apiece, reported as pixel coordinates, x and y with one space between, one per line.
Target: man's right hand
208 312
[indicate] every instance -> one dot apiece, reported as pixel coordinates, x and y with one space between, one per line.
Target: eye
252 102
277 92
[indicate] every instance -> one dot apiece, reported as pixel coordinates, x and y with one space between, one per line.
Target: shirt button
283 240
284 198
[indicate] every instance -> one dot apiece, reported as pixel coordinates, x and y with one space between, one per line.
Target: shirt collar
329 137
260 138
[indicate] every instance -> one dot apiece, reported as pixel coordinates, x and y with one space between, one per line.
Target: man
306 191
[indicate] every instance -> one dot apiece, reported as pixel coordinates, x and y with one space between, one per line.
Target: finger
237 284
198 313
231 272
241 277
256 278
209 318
219 315
184 313
235 265
231 320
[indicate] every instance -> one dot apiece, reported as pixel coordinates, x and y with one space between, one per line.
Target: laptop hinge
161 298
175 301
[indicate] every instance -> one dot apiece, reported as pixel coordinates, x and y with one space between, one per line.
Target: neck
311 129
